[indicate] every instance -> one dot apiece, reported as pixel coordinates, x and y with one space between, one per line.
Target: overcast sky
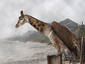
45 10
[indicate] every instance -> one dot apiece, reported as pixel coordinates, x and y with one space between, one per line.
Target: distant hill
70 24
22 38
34 36
38 37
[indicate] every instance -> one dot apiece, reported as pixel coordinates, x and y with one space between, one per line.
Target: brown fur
60 34
68 38
39 25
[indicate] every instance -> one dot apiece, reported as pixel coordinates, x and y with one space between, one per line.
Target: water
15 52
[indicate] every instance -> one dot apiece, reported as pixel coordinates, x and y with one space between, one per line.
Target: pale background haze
45 10
19 52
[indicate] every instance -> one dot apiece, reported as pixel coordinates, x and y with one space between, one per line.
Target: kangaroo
42 27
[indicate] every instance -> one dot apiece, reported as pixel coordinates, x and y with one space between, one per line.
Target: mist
46 10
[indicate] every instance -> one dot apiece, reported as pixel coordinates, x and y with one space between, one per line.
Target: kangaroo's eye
20 18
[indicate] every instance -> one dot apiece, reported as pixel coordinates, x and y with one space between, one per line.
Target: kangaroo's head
22 20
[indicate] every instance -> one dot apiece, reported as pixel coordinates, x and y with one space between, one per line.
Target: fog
46 10
16 52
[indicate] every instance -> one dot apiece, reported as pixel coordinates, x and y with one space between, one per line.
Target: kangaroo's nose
16 26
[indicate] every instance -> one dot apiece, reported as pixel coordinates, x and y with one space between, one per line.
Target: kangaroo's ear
22 14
